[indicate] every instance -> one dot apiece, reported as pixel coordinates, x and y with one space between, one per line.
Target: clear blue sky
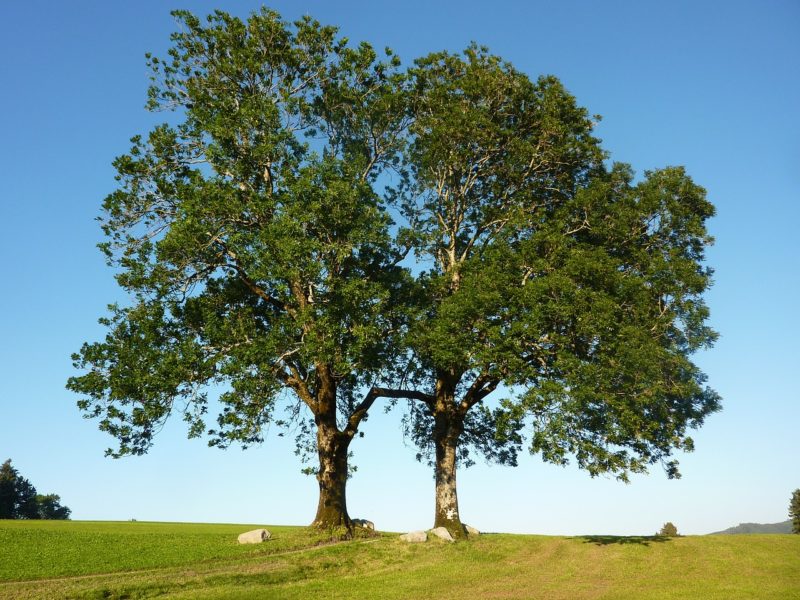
714 86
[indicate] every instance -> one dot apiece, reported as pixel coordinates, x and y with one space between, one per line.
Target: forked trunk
332 478
447 430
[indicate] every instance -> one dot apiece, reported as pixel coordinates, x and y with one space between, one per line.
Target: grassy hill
782 527
73 559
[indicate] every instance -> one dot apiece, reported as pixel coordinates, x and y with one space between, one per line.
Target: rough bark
448 426
332 446
447 515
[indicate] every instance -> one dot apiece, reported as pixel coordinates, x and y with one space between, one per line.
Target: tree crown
551 273
250 234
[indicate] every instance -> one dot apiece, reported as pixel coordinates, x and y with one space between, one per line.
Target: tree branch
480 388
251 285
296 382
377 392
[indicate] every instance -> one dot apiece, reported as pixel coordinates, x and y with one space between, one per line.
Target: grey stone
364 523
471 530
254 537
443 534
414 536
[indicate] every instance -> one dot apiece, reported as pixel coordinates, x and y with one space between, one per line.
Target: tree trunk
332 447
447 430
332 478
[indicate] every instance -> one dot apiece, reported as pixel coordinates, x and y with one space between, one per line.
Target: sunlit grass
143 560
46 549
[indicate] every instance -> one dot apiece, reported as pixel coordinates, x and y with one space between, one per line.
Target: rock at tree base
471 530
254 537
364 523
414 536
442 533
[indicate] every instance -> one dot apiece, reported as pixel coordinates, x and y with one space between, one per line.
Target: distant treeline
19 499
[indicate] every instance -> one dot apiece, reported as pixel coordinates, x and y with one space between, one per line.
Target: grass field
73 559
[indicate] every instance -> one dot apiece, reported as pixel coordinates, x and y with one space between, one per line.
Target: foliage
19 500
794 511
49 507
255 254
668 530
550 273
553 274
621 300
488 146
253 241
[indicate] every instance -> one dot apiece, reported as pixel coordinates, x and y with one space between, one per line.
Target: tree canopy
253 242
668 529
269 255
550 273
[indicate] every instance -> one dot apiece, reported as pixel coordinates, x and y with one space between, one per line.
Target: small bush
669 530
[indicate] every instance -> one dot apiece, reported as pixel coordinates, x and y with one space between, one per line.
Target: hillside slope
783 527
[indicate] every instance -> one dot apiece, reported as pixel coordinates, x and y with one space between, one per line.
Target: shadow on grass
605 540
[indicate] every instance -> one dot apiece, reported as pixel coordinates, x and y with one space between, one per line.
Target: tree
8 491
49 507
254 244
549 273
258 253
668 530
794 511
26 505
17 494
19 500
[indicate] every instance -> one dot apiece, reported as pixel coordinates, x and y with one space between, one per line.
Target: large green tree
549 273
253 243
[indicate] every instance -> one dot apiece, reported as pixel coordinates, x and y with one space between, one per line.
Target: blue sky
713 86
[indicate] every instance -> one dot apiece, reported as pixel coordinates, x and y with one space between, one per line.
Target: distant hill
784 527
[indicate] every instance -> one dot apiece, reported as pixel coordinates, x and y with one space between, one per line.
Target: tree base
335 531
456 528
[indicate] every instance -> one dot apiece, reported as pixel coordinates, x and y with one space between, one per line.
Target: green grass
173 560
47 549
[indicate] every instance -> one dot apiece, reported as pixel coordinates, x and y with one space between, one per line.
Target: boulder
471 530
254 537
414 536
364 523
442 534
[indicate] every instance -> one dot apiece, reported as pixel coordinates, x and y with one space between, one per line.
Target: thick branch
359 413
377 392
482 386
407 394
